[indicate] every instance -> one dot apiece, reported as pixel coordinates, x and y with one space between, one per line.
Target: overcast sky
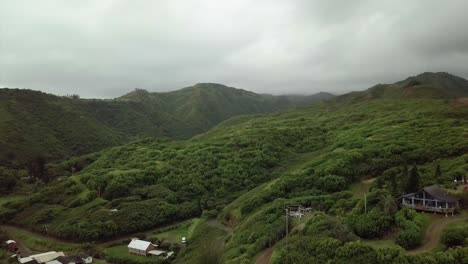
106 48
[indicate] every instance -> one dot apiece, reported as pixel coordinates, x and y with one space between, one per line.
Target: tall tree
438 174
37 169
413 181
404 177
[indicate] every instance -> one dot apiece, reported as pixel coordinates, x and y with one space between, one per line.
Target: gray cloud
106 48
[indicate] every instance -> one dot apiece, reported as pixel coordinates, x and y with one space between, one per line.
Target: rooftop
436 192
439 193
156 252
139 244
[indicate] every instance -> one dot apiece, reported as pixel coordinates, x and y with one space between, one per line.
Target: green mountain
36 124
247 169
425 85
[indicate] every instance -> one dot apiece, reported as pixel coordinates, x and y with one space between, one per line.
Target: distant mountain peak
209 84
137 93
424 85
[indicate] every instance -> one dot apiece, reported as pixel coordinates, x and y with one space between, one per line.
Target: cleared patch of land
120 252
362 187
175 235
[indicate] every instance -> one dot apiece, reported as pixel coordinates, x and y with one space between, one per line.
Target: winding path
265 257
434 231
24 251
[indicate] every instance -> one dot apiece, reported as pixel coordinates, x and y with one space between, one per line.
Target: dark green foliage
258 232
438 174
116 190
456 235
323 225
331 183
307 249
356 253
411 228
10 179
413 184
381 208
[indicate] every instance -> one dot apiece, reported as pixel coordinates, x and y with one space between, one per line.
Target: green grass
12 198
4 255
121 253
39 243
360 188
175 235
207 241
383 243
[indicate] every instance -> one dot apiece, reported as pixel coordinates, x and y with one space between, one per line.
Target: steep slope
36 124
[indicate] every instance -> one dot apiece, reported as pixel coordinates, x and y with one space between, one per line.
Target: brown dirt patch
434 231
459 101
265 256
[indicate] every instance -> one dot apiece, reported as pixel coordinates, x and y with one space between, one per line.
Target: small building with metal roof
140 247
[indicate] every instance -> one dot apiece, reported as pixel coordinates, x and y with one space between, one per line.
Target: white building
43 257
140 247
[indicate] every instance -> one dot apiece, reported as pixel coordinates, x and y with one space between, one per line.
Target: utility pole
287 226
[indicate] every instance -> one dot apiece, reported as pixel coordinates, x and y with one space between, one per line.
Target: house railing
429 208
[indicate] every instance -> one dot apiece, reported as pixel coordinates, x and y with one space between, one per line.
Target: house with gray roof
432 199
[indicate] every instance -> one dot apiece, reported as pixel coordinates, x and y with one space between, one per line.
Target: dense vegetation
456 235
411 225
37 126
248 169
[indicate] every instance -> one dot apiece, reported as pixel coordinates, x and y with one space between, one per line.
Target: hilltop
204 105
424 85
35 124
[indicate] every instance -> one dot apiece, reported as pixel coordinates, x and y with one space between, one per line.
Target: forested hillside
165 181
246 170
39 127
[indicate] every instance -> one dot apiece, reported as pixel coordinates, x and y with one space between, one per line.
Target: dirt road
24 251
434 231
265 257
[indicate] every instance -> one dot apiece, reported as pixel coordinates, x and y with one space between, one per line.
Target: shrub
379 216
455 236
411 224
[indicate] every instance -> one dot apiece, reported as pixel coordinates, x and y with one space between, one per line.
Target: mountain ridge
38 124
424 85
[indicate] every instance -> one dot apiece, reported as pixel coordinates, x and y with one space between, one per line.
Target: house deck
430 208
